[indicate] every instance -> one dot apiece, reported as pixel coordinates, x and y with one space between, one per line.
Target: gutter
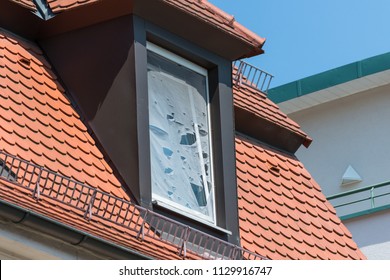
75 237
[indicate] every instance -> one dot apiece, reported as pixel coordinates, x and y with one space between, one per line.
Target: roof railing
251 76
362 201
92 203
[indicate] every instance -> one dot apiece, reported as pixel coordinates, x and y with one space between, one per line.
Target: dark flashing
43 9
241 135
267 132
330 78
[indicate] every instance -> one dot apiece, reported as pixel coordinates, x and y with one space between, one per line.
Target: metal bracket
90 205
183 247
141 232
37 189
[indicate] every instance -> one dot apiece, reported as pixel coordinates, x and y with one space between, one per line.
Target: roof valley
43 9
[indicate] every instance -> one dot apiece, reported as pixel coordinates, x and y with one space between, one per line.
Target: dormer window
162 109
180 135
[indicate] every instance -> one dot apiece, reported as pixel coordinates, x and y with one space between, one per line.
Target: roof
40 130
39 124
283 213
202 10
333 84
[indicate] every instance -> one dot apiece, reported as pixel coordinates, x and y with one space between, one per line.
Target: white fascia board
336 92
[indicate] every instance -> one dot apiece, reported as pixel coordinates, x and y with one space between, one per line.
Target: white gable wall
353 130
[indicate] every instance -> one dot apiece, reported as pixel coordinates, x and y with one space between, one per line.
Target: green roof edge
330 78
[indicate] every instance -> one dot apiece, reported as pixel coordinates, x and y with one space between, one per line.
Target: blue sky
306 37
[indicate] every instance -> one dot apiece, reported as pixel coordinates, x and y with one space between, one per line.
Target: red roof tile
62 5
29 4
39 123
285 213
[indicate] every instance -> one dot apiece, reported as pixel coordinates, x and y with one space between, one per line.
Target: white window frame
164 202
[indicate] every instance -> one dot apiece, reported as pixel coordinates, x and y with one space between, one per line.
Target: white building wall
372 233
22 243
349 131
355 131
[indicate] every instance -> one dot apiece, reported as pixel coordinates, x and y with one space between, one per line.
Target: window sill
166 206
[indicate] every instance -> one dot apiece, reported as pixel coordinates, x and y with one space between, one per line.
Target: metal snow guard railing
362 201
251 76
93 203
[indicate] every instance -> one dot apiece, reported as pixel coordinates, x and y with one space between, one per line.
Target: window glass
180 134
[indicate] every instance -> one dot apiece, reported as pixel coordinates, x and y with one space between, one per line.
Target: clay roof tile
51 125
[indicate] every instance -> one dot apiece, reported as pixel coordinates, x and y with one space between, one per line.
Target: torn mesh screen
179 136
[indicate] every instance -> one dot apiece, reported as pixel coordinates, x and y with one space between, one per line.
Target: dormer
153 80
